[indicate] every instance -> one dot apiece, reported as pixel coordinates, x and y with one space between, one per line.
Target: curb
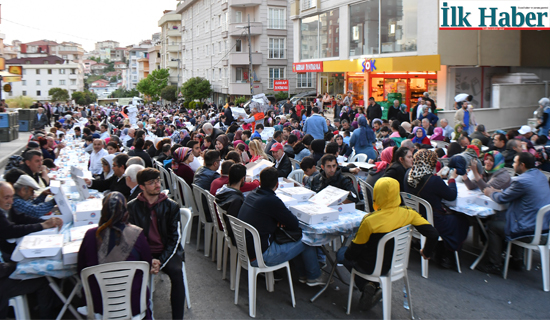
4 160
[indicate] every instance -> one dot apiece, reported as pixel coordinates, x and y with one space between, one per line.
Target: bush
192 105
186 104
240 100
20 102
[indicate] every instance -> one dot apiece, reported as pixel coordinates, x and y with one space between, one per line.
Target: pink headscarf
438 134
385 157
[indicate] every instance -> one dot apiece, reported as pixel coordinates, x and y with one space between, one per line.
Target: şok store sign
494 15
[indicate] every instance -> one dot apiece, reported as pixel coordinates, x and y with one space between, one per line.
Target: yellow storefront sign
393 64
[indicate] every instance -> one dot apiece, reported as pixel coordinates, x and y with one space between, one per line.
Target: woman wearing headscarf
438 134
543 117
115 240
459 127
407 126
420 181
181 158
222 145
107 163
181 137
403 115
344 115
420 136
494 174
380 167
401 162
363 138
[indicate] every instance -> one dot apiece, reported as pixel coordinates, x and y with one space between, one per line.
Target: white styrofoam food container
284 183
330 196
41 246
77 233
88 210
344 208
253 169
312 213
70 252
288 201
485 201
298 193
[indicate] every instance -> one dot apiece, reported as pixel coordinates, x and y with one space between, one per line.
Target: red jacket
219 182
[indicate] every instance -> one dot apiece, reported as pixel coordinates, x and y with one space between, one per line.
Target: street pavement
446 294
8 149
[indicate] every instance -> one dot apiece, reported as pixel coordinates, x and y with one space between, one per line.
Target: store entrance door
411 86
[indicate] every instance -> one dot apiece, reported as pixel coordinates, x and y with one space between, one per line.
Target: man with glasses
159 217
116 182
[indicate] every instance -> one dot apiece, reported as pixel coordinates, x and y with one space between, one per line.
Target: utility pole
250 76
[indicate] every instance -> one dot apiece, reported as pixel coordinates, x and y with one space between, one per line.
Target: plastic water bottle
405 300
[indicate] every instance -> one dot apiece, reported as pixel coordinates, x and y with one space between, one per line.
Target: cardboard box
77 233
344 208
70 252
61 201
41 246
89 210
288 201
298 193
311 213
330 196
253 169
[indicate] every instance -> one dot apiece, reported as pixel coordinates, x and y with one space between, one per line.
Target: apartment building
40 74
136 68
170 45
154 57
215 45
66 50
111 44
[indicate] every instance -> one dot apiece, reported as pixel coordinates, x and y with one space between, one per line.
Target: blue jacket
432 118
526 195
204 177
316 125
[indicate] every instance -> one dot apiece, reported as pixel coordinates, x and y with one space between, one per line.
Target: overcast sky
84 22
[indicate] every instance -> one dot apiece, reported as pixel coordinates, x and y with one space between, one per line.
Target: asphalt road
446 294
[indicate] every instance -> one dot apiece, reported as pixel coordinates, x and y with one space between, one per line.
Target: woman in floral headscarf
182 157
494 174
421 182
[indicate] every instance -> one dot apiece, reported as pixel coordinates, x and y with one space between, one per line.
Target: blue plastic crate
24 125
4 120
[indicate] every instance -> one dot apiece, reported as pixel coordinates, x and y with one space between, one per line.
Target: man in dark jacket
481 134
116 182
159 217
139 152
131 180
33 167
282 162
229 197
14 225
40 119
228 115
374 111
265 211
331 175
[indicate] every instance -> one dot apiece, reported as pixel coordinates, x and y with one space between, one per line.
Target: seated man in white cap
24 190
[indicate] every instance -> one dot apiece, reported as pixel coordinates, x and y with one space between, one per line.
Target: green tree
154 83
169 93
58 94
196 89
113 79
123 93
240 100
281 95
84 97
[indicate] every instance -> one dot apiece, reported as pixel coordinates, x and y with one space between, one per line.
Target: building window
50 82
50 71
24 93
364 28
38 94
241 76
320 35
277 18
220 73
46 62
61 71
61 82
37 82
398 32
73 71
24 82
238 16
303 80
73 82
37 71
274 74
276 48
238 45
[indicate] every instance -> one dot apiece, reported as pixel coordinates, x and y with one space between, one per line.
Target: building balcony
172 64
256 28
169 17
173 79
244 88
244 3
173 33
241 58
173 48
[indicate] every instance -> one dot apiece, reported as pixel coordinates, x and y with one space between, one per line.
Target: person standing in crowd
40 120
316 125
363 138
374 110
159 217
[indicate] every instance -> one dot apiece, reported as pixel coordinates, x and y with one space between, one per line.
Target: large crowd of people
412 151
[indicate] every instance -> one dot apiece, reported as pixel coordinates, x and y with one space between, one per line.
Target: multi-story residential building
143 68
40 74
170 45
215 45
118 54
66 50
135 72
98 68
154 57
110 44
119 65
87 64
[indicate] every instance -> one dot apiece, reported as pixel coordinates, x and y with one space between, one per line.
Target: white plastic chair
351 156
20 307
360 157
115 284
399 264
233 251
296 175
219 237
295 164
187 200
185 221
166 181
208 226
368 192
535 245
178 192
239 231
414 202
355 187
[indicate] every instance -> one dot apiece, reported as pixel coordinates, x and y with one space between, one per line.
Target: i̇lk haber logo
494 15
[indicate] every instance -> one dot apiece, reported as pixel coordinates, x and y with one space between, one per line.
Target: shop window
364 28
304 80
274 74
398 26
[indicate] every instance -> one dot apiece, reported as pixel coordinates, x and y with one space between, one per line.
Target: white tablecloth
322 233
